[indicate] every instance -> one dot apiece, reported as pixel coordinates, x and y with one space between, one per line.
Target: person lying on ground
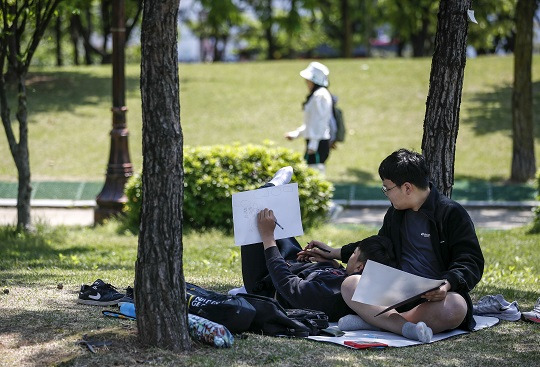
433 237
271 268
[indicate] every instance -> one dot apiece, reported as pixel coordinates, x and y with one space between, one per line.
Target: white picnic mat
394 340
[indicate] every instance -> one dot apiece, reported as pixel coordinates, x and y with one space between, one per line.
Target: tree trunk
160 295
74 35
267 22
419 39
441 122
523 159
346 29
86 33
22 160
58 34
19 58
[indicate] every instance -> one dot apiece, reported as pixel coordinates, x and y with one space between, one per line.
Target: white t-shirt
317 117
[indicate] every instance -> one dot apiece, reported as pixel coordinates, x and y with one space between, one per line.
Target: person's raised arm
266 223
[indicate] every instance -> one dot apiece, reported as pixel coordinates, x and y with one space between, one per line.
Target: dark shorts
321 155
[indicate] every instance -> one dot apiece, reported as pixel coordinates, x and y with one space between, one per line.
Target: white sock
282 176
354 322
420 332
235 291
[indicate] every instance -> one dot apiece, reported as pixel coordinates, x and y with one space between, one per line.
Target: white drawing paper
386 286
283 200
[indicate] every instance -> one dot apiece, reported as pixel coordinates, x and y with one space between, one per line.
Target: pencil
322 249
279 225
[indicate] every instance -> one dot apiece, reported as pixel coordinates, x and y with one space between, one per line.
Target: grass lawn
383 101
40 324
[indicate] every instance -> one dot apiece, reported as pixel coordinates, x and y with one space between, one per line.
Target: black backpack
272 319
235 313
339 128
314 320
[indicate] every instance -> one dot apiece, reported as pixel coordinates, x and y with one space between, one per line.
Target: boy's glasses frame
385 190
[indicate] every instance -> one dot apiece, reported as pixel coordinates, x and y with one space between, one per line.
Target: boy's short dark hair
376 248
405 166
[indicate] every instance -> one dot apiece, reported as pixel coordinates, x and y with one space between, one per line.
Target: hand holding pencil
316 251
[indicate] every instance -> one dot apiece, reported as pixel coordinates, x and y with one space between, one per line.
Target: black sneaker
128 297
99 294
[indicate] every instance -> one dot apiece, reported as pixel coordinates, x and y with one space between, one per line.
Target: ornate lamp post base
111 199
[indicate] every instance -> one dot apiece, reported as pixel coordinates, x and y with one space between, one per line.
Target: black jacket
454 242
316 286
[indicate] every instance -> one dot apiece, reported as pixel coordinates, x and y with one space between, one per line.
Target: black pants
254 269
321 155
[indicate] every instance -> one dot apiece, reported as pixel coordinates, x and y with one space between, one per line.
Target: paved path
494 218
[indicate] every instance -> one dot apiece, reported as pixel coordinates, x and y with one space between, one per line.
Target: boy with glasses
433 237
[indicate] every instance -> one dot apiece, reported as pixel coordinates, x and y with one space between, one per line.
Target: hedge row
213 173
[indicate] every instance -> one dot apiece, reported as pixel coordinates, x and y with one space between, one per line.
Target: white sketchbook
383 285
283 200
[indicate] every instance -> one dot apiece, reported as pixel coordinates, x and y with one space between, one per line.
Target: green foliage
213 173
536 222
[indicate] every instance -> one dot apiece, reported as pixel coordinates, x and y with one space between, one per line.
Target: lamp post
111 199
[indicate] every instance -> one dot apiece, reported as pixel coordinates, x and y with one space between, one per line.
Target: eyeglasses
385 190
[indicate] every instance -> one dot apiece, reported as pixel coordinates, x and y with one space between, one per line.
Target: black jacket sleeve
461 250
300 293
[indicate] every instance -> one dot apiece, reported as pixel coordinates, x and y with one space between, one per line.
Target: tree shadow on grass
67 90
492 111
41 250
61 321
360 177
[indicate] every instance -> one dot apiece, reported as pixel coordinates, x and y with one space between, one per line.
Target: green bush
213 173
536 222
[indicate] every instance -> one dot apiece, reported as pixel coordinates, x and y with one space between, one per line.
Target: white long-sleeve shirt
317 116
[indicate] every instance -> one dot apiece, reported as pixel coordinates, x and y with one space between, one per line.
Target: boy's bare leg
439 316
442 315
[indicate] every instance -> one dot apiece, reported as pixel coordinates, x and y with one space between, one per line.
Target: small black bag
235 313
272 319
314 320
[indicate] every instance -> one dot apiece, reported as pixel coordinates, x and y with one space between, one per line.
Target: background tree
412 22
159 279
523 159
88 20
216 20
441 122
23 26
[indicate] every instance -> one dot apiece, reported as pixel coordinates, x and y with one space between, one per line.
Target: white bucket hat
317 73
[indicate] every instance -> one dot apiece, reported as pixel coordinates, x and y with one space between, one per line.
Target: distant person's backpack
337 124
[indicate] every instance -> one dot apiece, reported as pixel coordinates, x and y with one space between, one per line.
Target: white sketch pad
385 286
283 200
394 340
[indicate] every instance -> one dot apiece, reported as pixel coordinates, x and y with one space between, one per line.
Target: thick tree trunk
523 158
160 295
441 122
